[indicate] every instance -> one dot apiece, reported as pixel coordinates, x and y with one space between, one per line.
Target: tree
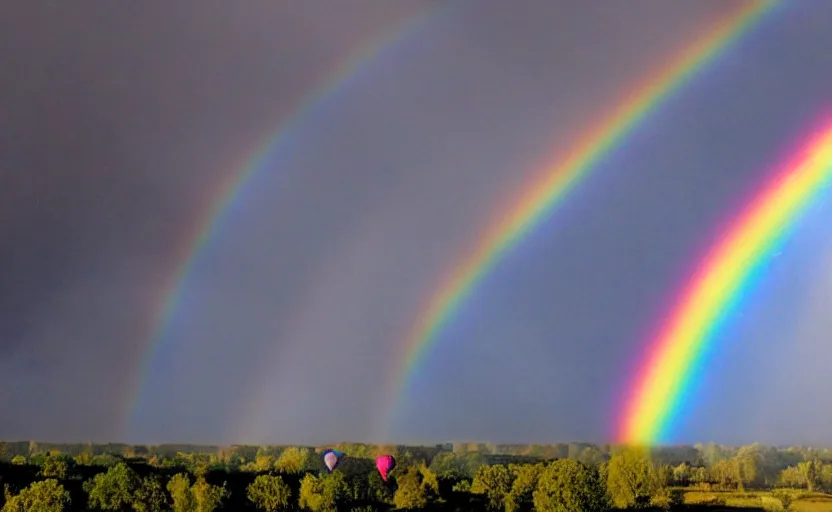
19 460
150 496
811 471
261 463
269 493
785 498
682 474
377 489
55 466
494 482
524 482
826 477
700 477
448 466
293 460
44 496
179 487
105 459
569 486
748 462
84 458
207 497
430 482
114 489
791 477
629 479
199 497
410 494
321 493
726 473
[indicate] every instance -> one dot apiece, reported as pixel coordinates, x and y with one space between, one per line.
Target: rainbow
545 194
715 289
230 190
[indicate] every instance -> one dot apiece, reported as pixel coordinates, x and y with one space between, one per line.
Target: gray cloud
124 121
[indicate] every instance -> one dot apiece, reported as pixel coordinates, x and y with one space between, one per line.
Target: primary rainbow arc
667 374
543 196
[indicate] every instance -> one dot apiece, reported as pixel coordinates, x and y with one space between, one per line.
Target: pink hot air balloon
385 464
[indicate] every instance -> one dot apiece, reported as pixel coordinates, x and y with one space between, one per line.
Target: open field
803 501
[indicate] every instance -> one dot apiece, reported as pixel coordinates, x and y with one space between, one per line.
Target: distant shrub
667 499
771 504
462 486
784 497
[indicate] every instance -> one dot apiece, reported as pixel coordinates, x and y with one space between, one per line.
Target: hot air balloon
332 458
385 464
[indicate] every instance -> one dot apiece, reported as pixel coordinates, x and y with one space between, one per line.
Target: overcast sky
120 123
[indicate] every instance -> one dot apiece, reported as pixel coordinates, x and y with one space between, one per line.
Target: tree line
461 477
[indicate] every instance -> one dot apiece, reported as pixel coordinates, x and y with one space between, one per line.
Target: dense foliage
553 478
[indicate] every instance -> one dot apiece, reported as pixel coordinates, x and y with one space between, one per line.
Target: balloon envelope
385 464
332 458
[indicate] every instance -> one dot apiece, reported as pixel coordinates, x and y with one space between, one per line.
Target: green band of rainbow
557 181
668 373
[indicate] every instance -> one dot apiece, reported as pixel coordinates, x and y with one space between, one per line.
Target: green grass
802 501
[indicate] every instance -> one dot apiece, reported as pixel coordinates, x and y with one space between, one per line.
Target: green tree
179 488
792 477
269 493
811 471
569 486
629 479
749 462
293 460
700 477
43 496
207 497
377 489
447 466
726 473
524 482
826 477
785 498
462 486
471 462
321 493
769 464
410 494
55 466
83 459
682 474
260 464
494 482
19 460
105 459
114 489
150 496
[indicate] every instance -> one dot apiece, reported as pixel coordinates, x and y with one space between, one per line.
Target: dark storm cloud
120 121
